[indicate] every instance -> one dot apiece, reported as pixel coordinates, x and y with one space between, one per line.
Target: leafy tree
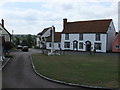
17 41
24 42
29 40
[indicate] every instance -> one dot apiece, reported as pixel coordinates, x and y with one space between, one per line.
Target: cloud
32 16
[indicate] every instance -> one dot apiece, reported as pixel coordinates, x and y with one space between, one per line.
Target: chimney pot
2 23
64 23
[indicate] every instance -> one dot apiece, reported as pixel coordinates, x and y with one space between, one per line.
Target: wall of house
0 48
56 45
1 43
37 42
0 32
47 33
5 34
110 36
86 37
115 43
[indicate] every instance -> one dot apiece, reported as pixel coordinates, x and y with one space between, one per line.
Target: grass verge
101 71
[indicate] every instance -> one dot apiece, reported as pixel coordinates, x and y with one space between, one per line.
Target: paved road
19 74
35 50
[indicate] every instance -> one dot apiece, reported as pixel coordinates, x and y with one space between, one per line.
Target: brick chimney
2 23
64 23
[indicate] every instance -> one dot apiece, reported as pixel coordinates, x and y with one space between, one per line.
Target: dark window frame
117 46
97 37
66 36
59 45
81 36
98 46
81 47
66 44
50 45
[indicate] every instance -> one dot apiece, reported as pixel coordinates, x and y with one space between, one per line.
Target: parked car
25 48
19 47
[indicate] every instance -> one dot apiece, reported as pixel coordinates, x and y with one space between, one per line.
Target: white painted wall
0 32
0 43
47 33
37 41
111 34
86 37
5 34
56 45
0 48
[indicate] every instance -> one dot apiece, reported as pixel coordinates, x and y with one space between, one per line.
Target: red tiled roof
57 37
93 26
117 36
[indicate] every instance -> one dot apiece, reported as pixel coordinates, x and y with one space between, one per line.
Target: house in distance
116 43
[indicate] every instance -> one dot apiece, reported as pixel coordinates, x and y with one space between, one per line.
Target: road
18 73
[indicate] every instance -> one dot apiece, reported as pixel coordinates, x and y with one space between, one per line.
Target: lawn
90 70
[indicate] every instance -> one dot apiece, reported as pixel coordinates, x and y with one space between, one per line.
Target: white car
19 47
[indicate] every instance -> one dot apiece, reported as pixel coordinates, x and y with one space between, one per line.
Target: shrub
8 45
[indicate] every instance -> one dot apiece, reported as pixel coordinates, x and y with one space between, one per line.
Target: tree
17 41
24 42
29 40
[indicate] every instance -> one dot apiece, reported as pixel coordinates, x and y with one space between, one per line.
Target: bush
8 45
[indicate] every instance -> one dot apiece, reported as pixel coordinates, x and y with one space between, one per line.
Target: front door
75 45
88 46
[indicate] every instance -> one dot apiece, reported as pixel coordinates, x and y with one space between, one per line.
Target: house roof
42 32
92 26
5 29
117 36
57 37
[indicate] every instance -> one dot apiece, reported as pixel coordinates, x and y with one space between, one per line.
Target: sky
32 16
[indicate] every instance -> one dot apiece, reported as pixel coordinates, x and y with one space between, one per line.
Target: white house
85 35
44 39
5 34
4 37
0 44
41 37
57 41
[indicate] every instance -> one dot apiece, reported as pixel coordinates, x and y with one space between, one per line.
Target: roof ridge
91 20
89 26
116 35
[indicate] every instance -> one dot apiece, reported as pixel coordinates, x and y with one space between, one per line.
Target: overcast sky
32 16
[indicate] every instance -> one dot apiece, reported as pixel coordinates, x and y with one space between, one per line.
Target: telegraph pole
52 29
